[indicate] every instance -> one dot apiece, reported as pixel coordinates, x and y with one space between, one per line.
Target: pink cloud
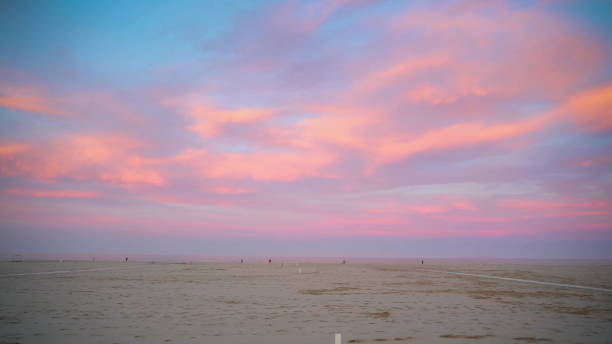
455 136
479 219
212 122
456 27
421 209
95 157
431 95
568 213
396 72
228 190
287 166
444 207
53 194
370 221
345 126
134 175
260 166
464 206
545 205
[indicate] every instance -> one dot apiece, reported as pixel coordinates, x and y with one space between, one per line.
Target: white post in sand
338 338
300 271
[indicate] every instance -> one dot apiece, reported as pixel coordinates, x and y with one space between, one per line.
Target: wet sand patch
379 315
334 291
395 339
533 339
462 336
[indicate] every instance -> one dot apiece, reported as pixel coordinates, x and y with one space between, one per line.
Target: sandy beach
138 302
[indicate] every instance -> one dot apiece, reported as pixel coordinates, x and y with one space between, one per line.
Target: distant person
241 261
126 259
422 262
269 261
343 261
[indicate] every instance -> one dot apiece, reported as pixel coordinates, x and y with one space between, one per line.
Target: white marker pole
338 338
300 271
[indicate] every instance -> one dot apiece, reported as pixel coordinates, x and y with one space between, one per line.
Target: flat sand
268 303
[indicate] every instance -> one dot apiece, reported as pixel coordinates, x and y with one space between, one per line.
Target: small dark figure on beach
269 261
343 261
422 262
241 261
126 259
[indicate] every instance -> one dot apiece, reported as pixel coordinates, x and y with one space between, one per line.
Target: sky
306 128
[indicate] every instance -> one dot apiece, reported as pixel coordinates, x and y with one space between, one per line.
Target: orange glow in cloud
9 149
36 99
592 108
596 161
29 100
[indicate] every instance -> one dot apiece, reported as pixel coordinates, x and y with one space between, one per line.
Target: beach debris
338 338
